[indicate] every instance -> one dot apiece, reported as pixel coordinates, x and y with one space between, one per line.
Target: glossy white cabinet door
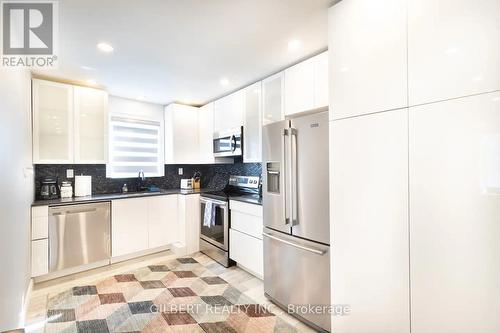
189 222
368 57
455 214
369 228
321 80
129 226
162 220
39 257
181 134
273 96
229 111
91 126
252 128
299 87
206 133
247 251
52 123
454 48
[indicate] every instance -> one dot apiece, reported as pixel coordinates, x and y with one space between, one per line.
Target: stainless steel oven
228 142
214 240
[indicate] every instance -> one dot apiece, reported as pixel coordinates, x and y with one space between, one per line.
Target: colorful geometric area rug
180 295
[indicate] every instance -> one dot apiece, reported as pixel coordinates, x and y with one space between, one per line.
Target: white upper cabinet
273 98
306 85
453 49
181 134
252 127
299 87
368 57
370 269
91 126
455 214
321 80
229 112
52 123
70 124
206 133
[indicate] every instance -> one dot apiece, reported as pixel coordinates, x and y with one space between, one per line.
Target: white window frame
161 146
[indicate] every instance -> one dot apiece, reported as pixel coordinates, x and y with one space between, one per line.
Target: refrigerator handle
293 175
286 171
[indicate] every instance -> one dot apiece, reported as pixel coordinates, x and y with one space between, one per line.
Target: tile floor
159 293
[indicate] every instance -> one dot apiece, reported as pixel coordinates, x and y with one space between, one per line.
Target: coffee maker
49 189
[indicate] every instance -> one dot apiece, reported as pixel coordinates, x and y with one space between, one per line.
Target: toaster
186 184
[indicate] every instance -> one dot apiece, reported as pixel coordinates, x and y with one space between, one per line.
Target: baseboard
250 271
179 249
126 257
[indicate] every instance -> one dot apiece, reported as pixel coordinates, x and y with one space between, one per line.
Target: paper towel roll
83 186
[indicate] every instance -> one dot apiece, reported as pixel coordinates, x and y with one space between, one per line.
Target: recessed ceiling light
294 44
91 82
105 47
224 82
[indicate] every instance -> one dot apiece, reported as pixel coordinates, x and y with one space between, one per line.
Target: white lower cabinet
369 230
129 226
39 240
189 222
455 214
39 257
141 224
245 236
247 251
162 220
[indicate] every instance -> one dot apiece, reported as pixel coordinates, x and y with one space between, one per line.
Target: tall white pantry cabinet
415 165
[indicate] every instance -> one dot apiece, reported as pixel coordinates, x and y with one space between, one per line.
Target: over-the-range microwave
228 142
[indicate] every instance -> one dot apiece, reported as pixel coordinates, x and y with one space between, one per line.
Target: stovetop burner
237 186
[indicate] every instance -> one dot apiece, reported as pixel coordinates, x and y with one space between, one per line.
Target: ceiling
179 50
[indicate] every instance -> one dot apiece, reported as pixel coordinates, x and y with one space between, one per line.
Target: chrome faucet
142 178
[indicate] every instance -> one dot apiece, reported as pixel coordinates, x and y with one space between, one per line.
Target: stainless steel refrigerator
296 215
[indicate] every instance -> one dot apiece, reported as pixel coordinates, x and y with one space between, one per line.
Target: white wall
123 106
16 182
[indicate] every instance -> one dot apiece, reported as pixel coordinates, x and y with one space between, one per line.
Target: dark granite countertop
250 198
113 196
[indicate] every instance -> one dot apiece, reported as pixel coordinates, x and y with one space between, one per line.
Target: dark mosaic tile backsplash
213 176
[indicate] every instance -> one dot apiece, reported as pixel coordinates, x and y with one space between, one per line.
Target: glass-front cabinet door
52 122
91 126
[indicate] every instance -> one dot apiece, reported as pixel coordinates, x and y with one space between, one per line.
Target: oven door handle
217 202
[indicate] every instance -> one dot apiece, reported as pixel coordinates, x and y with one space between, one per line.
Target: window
134 146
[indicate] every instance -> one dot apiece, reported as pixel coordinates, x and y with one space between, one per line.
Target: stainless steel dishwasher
79 236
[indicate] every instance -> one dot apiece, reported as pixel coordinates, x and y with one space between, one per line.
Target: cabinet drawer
39 227
248 224
41 211
247 251
246 208
39 257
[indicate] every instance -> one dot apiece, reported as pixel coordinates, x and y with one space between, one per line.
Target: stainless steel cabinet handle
305 248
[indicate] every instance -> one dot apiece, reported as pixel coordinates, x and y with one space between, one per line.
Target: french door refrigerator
296 216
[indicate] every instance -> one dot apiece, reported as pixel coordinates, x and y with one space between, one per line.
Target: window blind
134 147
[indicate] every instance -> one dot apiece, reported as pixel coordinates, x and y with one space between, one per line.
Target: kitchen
332 169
